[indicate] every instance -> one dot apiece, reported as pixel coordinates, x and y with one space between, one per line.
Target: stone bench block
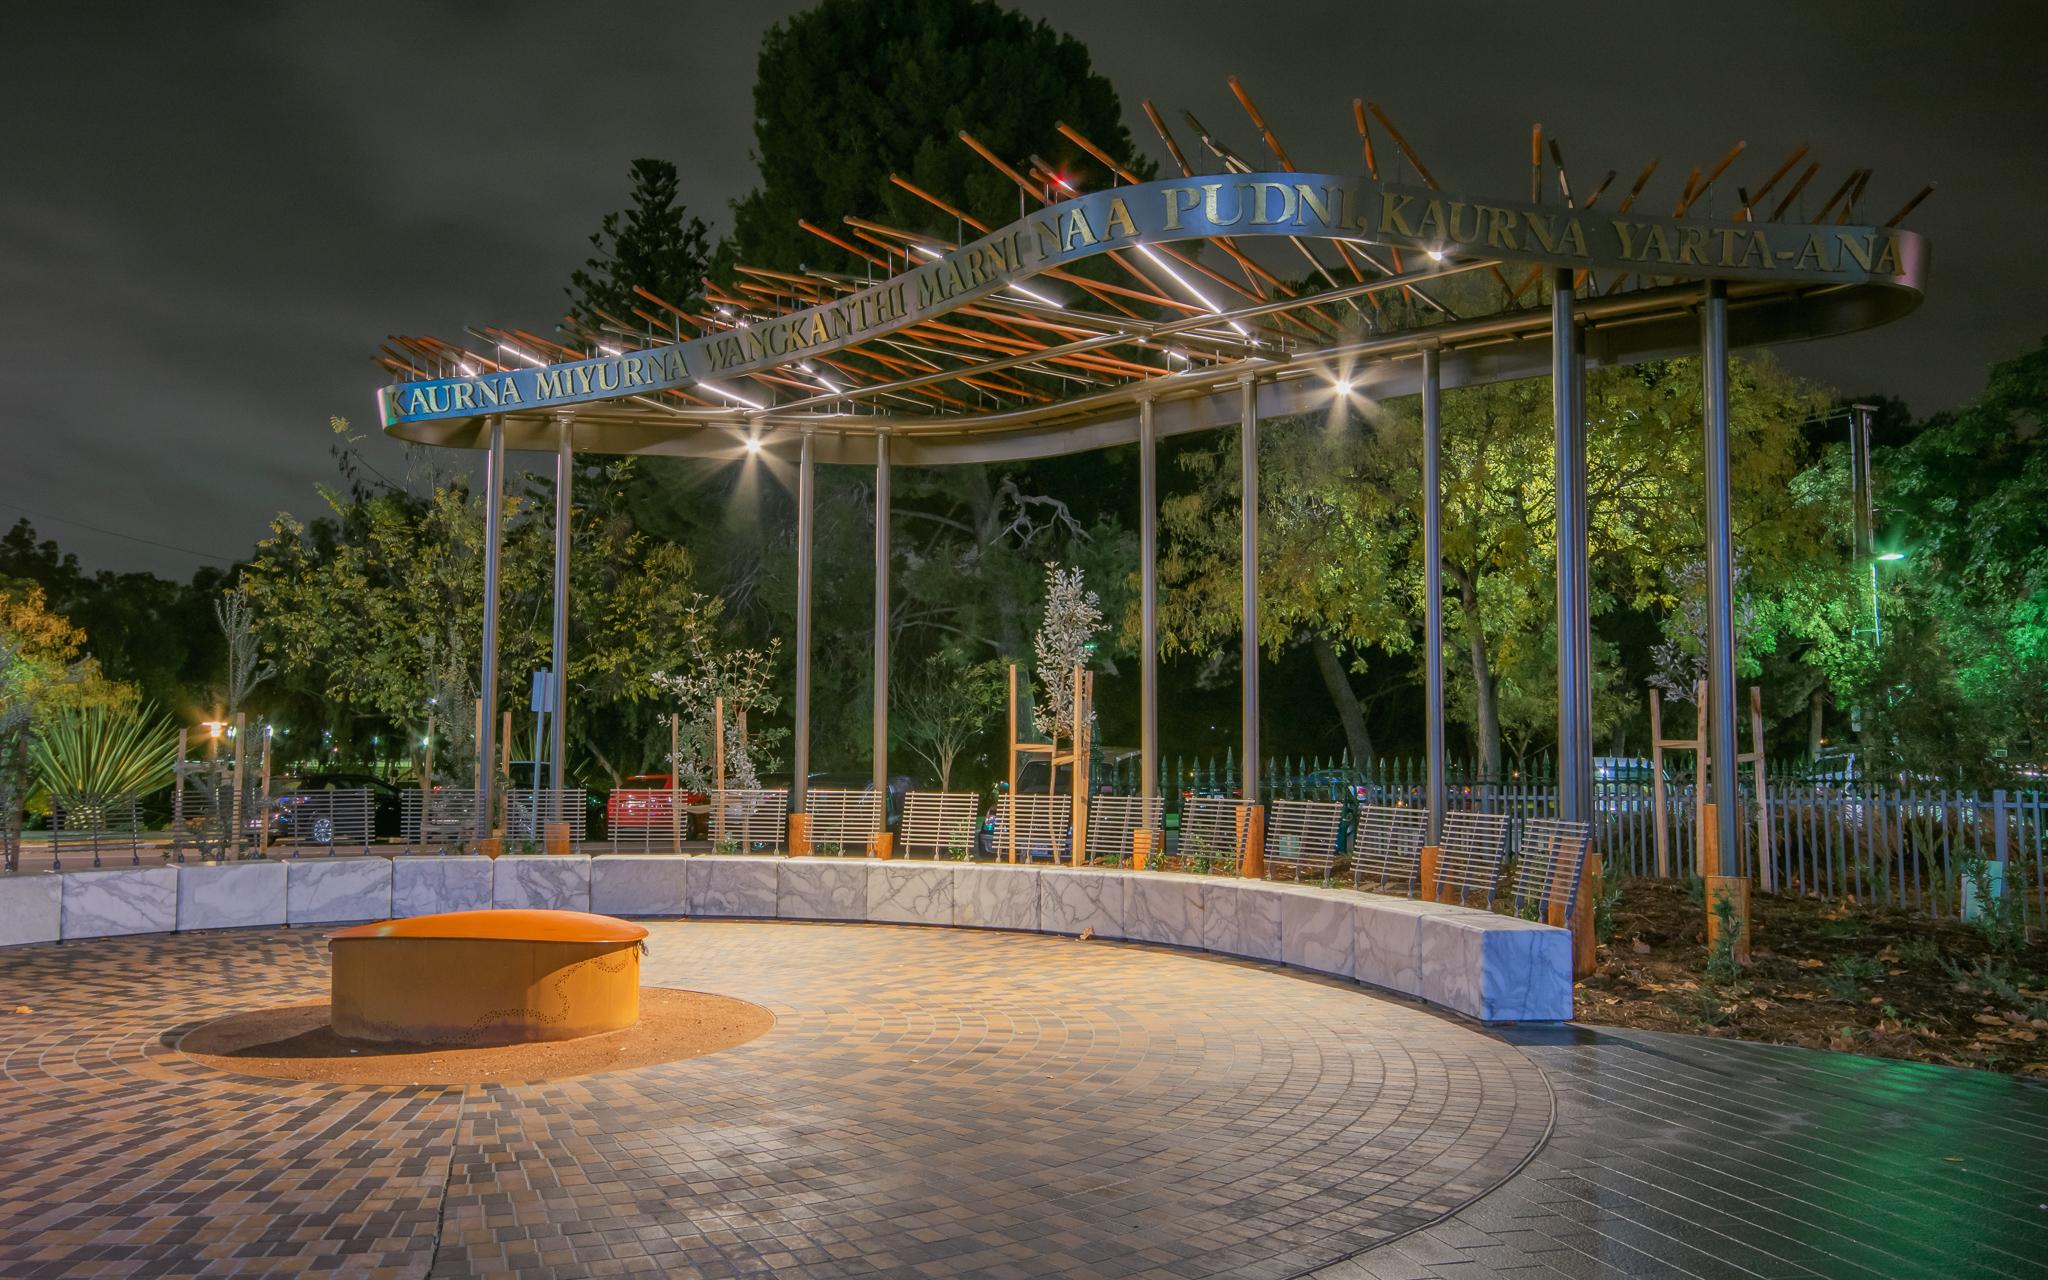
732 885
1387 944
1077 902
821 889
542 882
230 895
31 907
910 893
1497 968
119 901
995 897
1317 929
337 890
1241 918
639 884
427 885
1164 908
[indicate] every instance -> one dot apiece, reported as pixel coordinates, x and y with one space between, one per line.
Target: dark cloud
212 214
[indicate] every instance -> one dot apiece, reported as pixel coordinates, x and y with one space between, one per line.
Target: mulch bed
295 1043
1823 974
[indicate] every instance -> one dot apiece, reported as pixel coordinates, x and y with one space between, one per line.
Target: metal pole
882 621
1148 607
494 536
1574 621
558 736
806 500
1433 587
1720 574
1248 475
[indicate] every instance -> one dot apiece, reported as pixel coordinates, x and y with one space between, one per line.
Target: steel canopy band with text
1253 204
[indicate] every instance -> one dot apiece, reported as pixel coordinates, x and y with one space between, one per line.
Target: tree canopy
851 91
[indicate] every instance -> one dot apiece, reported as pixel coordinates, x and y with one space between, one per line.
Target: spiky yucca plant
98 753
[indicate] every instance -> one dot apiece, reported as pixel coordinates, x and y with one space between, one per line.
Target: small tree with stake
1066 637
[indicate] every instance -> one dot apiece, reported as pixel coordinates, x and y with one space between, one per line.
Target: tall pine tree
653 243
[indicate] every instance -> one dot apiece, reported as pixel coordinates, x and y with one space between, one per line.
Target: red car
645 804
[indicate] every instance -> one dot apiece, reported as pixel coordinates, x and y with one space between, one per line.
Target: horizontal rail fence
450 818
654 820
1212 833
1044 827
750 821
941 824
1114 821
1302 835
99 825
1901 844
530 812
338 819
842 820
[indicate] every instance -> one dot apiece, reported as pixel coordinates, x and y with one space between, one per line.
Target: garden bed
1825 975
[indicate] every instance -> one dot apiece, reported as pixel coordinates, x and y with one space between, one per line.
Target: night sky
211 214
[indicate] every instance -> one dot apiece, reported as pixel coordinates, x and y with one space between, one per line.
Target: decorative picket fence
1902 845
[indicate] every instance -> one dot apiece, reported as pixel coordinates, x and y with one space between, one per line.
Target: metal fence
450 817
338 819
1898 844
530 812
100 825
941 823
749 821
842 820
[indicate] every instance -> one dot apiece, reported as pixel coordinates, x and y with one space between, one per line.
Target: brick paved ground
930 1103
1681 1156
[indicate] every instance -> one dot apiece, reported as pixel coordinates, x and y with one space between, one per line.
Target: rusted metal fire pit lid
505 925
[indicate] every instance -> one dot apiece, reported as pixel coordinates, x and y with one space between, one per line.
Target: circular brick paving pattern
929 1103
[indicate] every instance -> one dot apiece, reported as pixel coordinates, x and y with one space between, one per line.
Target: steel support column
882 621
487 684
1433 589
1248 474
1574 622
1720 708
806 503
1148 601
558 724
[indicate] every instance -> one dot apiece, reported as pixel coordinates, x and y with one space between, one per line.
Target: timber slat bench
1492 967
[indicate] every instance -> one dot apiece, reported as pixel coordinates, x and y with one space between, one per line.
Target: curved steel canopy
1047 377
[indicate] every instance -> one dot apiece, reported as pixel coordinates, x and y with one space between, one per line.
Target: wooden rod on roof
855 250
1836 198
1707 183
1909 206
939 204
1372 164
1849 207
1401 144
1102 157
1749 204
1812 167
1259 122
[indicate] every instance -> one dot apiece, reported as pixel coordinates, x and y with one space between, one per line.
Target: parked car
645 802
294 821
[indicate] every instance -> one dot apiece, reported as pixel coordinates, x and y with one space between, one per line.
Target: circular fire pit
486 977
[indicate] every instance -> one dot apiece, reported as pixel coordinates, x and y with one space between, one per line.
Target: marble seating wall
1490 967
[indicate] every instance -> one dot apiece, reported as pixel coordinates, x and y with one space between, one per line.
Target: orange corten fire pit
486 977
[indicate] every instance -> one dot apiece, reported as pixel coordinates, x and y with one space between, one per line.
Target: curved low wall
1491 967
